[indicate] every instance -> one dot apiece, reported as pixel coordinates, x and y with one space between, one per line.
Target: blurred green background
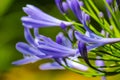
11 32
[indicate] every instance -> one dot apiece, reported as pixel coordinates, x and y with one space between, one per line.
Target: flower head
66 51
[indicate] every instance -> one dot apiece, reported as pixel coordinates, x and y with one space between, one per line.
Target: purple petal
81 3
82 49
29 37
36 32
67 42
99 62
56 52
92 35
59 5
50 66
70 34
37 18
63 26
27 60
87 17
108 13
38 14
75 7
62 6
28 50
84 38
50 43
65 6
76 65
34 23
94 46
59 38
101 15
95 39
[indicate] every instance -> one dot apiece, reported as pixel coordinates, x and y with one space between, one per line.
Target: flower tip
24 9
28 26
18 45
81 3
29 5
22 18
14 63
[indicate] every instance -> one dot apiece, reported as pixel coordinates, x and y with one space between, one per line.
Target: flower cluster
85 41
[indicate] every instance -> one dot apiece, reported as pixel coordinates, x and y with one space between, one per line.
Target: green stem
112 13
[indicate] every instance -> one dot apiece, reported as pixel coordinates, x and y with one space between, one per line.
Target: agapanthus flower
37 18
80 42
43 48
96 41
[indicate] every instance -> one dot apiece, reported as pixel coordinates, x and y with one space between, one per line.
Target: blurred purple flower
109 1
99 62
108 12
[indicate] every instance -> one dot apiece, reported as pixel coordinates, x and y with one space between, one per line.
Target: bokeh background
11 32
